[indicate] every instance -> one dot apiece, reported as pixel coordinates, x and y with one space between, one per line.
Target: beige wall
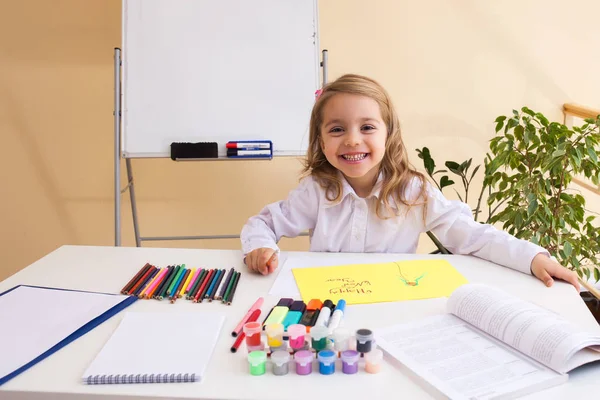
451 67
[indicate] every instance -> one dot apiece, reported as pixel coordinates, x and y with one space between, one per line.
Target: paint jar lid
340 334
350 356
296 330
326 356
318 332
257 357
303 356
274 329
280 357
374 356
362 335
250 328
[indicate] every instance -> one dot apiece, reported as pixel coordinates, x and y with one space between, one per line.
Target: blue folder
76 334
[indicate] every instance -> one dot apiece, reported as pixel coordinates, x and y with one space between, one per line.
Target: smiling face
353 137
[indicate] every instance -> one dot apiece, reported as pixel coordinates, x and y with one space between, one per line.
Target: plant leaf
568 249
445 181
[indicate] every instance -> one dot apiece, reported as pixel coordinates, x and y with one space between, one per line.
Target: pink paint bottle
296 335
373 361
304 359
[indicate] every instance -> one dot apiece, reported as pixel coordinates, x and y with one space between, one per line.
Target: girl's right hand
263 260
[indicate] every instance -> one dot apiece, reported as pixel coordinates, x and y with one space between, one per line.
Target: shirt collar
347 190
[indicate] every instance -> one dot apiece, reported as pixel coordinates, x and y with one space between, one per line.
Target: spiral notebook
157 347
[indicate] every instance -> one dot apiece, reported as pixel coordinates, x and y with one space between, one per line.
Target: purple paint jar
350 361
304 359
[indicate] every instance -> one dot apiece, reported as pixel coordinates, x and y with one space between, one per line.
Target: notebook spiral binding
139 378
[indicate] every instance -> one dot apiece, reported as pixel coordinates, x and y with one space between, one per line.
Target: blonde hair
398 173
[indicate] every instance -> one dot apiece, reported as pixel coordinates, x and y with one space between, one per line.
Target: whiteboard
218 70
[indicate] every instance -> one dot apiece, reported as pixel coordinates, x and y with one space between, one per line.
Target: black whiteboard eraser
186 150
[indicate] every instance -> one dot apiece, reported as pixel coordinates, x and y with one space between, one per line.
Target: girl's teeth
354 157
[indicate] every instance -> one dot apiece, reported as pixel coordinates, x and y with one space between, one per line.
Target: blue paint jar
326 362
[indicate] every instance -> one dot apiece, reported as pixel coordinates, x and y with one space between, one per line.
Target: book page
463 362
543 335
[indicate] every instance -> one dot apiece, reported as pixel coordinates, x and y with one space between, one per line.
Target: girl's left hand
544 268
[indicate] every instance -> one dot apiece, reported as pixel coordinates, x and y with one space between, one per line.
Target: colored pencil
175 293
208 285
212 293
155 283
232 293
175 283
163 291
202 284
141 280
193 281
180 272
137 276
179 284
212 283
207 280
144 285
188 282
224 299
149 284
224 285
162 283
194 289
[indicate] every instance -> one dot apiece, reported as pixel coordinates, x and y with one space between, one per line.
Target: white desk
107 269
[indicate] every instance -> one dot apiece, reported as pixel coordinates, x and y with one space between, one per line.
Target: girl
360 194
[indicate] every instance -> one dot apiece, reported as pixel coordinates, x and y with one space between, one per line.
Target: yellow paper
381 282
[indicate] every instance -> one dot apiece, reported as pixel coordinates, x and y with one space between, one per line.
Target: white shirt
352 226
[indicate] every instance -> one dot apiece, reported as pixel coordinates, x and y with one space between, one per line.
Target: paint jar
373 361
258 362
364 340
280 360
283 347
252 330
341 339
318 336
326 362
274 335
303 360
296 335
350 361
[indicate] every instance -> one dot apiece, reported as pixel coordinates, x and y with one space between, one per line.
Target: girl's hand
544 268
263 260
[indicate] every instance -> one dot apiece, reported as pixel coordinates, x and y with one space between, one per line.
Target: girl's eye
336 129
368 127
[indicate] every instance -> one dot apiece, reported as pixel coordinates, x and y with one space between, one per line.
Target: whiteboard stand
130 183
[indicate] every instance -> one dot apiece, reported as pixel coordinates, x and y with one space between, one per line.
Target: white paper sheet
35 319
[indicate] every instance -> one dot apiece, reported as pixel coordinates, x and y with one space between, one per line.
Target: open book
491 345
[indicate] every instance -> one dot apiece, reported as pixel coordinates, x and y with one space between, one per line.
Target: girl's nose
352 138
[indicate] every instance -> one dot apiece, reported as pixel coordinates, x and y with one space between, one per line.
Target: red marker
257 304
248 145
240 338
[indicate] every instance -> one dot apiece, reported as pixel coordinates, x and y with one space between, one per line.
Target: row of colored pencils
175 281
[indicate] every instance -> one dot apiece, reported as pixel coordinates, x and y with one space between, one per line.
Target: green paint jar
318 335
258 362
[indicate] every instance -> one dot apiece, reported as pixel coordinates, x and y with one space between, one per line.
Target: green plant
534 162
528 175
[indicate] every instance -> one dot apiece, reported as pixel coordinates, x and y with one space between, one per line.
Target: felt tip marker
248 145
324 314
236 152
337 315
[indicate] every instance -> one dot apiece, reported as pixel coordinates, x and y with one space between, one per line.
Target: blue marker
337 315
